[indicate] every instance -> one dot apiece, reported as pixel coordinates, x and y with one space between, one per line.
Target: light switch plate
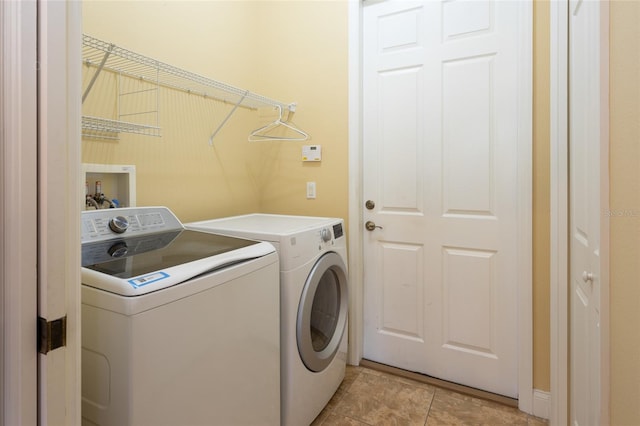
311 190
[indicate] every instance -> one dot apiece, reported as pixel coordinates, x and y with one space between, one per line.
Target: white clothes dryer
313 304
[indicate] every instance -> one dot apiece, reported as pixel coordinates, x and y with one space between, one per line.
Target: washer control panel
106 224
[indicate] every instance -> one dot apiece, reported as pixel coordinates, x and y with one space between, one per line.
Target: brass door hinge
51 334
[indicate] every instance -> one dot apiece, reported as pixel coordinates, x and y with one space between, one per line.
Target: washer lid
142 264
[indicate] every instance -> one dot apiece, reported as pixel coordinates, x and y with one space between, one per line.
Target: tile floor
370 397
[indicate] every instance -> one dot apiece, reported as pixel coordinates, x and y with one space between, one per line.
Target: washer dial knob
325 234
119 249
118 224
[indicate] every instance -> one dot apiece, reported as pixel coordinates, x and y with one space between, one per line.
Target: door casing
40 193
559 271
59 204
18 215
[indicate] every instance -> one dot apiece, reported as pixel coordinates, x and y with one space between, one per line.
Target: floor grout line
433 397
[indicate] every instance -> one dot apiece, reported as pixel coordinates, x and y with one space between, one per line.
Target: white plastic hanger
262 134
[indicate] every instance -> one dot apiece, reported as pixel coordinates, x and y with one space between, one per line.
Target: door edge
559 203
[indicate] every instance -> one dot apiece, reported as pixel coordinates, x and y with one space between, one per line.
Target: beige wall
303 56
541 208
283 50
180 170
625 211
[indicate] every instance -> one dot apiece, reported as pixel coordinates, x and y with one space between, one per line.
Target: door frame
559 210
356 273
59 204
559 179
18 215
31 173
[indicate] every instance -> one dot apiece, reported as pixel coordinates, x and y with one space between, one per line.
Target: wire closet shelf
103 55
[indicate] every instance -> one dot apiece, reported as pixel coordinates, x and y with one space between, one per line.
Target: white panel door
584 224
440 135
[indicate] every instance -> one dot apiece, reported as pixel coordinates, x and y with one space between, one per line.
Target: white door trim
525 207
356 290
59 205
18 214
21 403
559 270
559 261
525 303
605 301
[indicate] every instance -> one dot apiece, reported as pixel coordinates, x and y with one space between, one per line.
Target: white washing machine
313 292
179 327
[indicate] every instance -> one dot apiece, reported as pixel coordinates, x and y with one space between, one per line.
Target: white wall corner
541 403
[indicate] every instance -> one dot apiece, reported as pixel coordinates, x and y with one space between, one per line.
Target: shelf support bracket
215 132
95 76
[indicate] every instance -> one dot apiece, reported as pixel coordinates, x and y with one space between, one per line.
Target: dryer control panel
337 230
325 234
329 234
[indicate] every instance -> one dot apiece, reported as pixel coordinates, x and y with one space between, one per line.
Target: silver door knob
370 204
371 226
587 276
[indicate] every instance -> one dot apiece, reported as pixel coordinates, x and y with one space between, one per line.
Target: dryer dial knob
118 224
325 234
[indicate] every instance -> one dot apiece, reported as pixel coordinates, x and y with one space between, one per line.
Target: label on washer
148 279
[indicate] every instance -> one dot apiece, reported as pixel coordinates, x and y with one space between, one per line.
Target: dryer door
322 313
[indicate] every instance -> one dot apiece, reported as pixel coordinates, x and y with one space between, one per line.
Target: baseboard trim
541 403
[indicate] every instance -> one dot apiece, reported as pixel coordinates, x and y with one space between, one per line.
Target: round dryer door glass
325 310
322 313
